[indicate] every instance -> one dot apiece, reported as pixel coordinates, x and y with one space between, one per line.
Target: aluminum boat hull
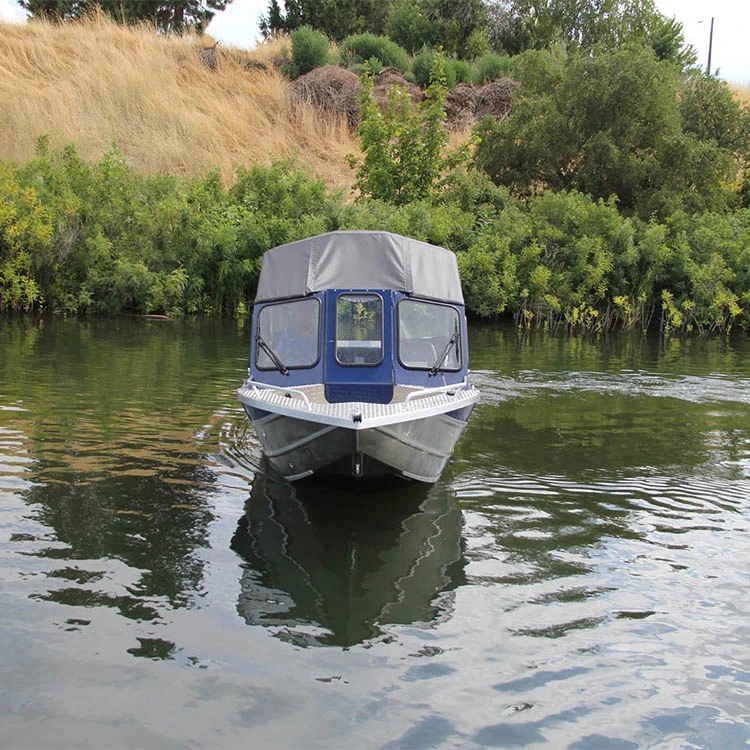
411 440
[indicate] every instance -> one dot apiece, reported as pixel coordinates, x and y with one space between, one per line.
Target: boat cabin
360 313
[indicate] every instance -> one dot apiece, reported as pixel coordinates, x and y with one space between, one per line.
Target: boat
358 357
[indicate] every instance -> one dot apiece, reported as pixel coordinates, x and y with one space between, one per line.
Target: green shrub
361 47
310 49
373 65
491 66
477 44
423 63
25 239
95 237
403 150
459 71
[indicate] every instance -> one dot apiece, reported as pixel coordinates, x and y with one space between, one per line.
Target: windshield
288 335
359 329
426 332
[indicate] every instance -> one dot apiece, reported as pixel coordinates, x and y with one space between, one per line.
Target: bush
403 150
25 238
95 237
86 238
310 49
492 66
456 71
358 48
477 44
622 134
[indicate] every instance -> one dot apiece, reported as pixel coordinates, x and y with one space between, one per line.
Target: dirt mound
334 90
460 106
330 89
466 104
494 98
389 77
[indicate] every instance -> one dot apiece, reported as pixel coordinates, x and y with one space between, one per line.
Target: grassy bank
742 94
94 83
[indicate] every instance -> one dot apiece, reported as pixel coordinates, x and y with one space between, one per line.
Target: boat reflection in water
323 570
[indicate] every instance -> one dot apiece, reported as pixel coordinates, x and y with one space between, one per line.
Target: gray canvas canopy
359 259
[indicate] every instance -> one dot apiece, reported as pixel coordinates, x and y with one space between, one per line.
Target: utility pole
710 45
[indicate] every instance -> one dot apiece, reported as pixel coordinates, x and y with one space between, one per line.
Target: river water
577 579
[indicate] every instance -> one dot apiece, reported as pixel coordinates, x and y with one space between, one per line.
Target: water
577 579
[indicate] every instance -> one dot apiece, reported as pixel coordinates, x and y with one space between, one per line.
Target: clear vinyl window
428 336
359 329
288 335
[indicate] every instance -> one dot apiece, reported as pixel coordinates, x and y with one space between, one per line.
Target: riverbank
83 237
147 227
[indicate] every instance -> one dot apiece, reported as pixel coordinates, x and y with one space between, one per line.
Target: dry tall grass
742 93
94 83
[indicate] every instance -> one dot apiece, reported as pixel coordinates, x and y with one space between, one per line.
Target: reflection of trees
350 564
547 526
575 433
575 405
112 410
505 349
148 522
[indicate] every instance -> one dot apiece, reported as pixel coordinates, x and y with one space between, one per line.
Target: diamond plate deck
357 415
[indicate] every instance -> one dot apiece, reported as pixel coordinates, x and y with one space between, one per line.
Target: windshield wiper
439 361
280 366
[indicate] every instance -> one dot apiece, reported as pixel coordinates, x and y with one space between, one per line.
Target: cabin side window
288 335
428 336
359 329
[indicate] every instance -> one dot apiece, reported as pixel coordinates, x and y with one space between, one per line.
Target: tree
410 27
337 19
666 38
607 125
456 21
517 25
711 112
403 149
176 16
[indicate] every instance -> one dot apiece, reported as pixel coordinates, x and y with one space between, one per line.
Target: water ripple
577 579
496 387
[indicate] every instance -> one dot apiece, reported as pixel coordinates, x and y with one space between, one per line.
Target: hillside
95 83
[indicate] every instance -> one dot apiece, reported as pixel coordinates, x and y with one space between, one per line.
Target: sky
238 26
